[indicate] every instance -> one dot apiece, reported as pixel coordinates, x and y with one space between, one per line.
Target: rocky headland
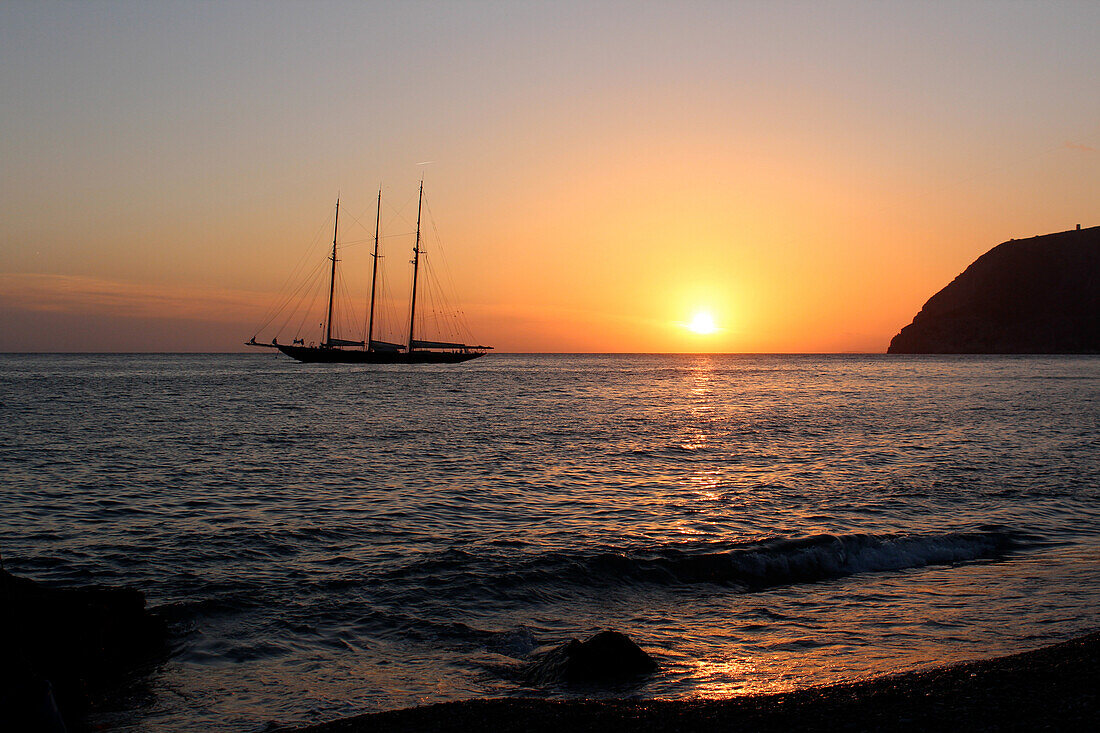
1026 296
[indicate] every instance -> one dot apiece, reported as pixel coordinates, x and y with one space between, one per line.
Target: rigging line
413 196
311 285
460 322
307 253
305 257
439 302
337 308
298 293
431 220
453 320
366 322
370 240
397 212
447 272
315 315
431 288
286 301
447 269
347 308
371 296
444 297
451 291
302 286
440 316
317 285
435 230
361 224
387 319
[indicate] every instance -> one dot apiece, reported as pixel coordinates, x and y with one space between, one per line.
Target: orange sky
808 175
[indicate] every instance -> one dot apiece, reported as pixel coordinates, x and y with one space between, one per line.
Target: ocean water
330 540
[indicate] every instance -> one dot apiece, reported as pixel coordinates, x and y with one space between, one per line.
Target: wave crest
778 561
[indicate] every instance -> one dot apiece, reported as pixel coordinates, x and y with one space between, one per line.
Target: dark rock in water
1027 296
28 704
79 639
607 657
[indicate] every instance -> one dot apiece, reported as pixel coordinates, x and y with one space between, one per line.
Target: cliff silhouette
1026 296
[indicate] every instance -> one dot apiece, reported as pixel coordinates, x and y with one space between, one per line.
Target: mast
416 265
332 277
374 272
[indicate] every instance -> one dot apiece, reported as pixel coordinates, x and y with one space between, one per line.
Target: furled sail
344 342
385 346
437 345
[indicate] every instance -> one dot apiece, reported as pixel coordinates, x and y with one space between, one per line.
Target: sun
702 323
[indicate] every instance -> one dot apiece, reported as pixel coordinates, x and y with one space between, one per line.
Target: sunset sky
806 175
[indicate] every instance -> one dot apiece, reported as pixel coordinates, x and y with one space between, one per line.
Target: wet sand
1054 688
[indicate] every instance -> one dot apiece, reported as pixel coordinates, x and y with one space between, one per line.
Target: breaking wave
749 566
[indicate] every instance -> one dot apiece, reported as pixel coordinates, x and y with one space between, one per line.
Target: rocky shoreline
60 648
1052 688
64 645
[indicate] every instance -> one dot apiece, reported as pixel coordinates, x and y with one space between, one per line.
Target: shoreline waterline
1052 687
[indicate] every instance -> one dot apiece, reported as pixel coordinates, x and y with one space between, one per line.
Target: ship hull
315 355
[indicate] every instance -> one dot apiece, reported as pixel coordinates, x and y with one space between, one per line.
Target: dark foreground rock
1027 296
61 645
607 657
1054 689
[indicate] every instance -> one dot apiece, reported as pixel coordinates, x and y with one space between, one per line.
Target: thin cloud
1080 146
95 296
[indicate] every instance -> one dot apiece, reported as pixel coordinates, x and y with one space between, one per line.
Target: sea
328 540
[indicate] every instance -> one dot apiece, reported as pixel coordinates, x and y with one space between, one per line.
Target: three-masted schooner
335 350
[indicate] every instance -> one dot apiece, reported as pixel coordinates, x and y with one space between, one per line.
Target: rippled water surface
328 540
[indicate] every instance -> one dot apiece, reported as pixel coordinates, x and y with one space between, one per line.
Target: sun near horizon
820 171
702 324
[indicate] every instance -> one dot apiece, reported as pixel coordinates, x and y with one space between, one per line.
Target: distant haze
806 174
